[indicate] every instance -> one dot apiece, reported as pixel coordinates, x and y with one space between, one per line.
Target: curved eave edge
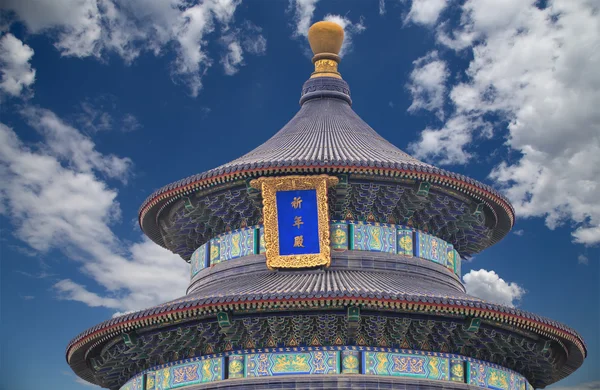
454 181
522 320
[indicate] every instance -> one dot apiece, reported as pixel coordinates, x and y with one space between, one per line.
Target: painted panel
398 364
457 264
374 238
489 377
350 362
450 259
339 236
298 222
430 247
261 246
133 384
208 370
150 381
237 244
274 364
215 251
199 259
405 242
236 366
457 370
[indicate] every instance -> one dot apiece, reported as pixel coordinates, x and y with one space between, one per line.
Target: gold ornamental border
269 186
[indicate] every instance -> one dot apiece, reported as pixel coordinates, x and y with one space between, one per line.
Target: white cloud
583 259
17 74
130 123
381 7
94 119
488 286
427 84
519 232
303 13
68 289
247 38
56 202
446 145
68 144
533 78
350 29
96 28
426 12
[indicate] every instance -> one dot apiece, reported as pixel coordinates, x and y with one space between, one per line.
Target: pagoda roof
269 290
326 135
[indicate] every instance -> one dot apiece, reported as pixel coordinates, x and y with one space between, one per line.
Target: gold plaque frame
269 186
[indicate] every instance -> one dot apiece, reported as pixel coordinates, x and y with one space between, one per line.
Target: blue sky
102 102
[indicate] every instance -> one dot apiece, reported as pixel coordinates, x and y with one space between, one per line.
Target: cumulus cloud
427 84
68 144
56 201
17 74
350 29
426 12
488 286
532 79
583 259
97 28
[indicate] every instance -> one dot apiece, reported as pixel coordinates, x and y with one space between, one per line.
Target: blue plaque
298 222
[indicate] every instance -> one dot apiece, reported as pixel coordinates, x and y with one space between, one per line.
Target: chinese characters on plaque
296 220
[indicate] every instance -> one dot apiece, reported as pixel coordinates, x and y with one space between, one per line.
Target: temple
326 258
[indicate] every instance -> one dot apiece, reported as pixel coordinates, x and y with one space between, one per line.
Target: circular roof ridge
342 286
326 133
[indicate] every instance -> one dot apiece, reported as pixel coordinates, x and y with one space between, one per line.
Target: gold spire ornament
326 39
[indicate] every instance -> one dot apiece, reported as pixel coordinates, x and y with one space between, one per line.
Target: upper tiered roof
326 136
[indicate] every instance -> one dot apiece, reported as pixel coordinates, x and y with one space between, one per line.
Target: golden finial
326 40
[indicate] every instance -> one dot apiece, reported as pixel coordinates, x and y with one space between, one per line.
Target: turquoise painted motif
339 236
150 381
430 248
262 248
237 244
199 259
398 364
457 370
274 364
328 360
483 375
215 251
375 238
236 366
208 370
133 384
350 362
405 242
457 263
450 257
344 235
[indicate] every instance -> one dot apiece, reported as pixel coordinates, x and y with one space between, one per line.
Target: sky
104 101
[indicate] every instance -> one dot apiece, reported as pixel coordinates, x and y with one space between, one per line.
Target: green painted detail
223 319
423 189
473 324
130 339
353 314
